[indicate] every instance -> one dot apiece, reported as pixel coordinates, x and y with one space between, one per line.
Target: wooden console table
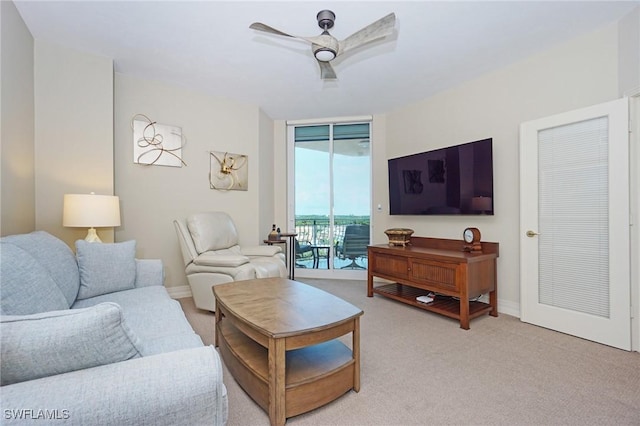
440 266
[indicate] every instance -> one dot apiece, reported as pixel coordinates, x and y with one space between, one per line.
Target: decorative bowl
399 236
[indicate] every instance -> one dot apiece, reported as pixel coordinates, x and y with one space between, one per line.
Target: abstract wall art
228 171
156 144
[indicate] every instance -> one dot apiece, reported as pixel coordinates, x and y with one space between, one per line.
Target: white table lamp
91 211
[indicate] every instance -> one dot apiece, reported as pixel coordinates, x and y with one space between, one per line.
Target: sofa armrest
175 388
149 272
254 251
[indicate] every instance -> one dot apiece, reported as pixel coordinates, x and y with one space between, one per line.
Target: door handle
531 234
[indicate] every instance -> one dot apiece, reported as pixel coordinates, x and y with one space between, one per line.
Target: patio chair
303 252
354 245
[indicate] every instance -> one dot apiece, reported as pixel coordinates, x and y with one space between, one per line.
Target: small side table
290 248
292 253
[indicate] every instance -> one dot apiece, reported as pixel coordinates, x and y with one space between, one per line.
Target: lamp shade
91 210
481 203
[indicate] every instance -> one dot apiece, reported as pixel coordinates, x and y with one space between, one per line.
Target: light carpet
420 368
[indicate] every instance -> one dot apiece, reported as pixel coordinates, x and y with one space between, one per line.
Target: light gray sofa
95 339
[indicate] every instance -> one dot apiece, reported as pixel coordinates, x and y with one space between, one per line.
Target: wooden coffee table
278 338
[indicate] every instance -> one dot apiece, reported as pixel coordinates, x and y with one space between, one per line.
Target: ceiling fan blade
323 40
380 28
267 29
326 71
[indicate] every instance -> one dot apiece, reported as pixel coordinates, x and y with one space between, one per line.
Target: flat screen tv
456 180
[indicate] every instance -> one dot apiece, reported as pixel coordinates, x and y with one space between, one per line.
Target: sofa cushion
154 317
212 231
183 388
105 268
27 286
54 258
56 342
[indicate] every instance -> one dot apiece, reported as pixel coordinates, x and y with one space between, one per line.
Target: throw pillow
27 287
49 343
105 268
54 257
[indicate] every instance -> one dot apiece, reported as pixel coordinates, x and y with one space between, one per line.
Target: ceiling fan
326 47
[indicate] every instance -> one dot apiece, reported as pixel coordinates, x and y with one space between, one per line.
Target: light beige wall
280 196
576 74
17 199
73 133
153 196
379 180
266 170
629 57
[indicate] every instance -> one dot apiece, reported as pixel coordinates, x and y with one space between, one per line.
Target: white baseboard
509 308
179 292
504 306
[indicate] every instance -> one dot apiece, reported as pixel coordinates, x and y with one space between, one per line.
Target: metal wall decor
156 144
228 171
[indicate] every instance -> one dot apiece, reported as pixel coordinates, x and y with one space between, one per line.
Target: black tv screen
456 180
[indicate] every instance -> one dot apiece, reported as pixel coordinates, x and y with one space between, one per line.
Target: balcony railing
314 230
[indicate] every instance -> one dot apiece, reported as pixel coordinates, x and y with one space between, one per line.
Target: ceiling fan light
324 54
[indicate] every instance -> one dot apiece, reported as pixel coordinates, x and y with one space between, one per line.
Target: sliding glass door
330 184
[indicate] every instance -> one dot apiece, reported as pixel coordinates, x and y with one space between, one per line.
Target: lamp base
92 236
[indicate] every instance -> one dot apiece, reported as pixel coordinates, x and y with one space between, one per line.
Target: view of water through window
332 196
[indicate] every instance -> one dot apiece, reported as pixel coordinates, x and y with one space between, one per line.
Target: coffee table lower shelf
443 305
314 376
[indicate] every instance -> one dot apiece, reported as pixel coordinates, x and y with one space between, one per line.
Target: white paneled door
574 223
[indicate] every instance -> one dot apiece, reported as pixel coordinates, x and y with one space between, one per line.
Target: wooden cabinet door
436 274
396 266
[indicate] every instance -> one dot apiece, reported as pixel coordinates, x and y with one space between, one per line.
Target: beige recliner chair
209 245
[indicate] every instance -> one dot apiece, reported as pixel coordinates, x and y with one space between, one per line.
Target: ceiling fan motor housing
326 19
329 50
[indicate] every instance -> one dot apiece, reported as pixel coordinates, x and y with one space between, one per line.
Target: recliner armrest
224 260
261 250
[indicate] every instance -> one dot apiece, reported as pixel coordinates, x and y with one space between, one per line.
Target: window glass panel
312 133
351 131
332 193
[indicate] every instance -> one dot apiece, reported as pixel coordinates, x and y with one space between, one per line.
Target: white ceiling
207 46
